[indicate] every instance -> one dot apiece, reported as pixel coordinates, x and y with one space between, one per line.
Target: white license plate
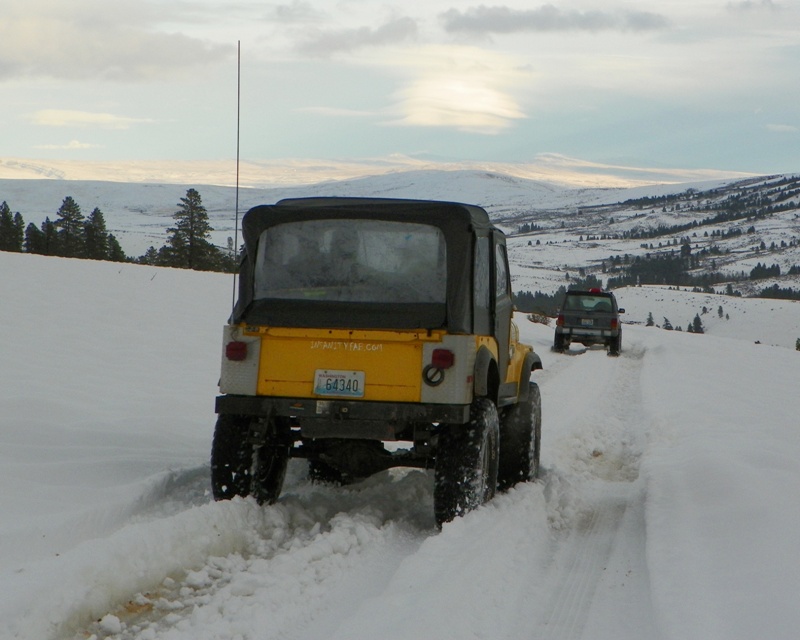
587 322
346 384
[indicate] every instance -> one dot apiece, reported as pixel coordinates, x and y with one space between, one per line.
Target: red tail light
443 358
614 323
236 350
560 321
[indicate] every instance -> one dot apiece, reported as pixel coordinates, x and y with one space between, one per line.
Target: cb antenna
236 258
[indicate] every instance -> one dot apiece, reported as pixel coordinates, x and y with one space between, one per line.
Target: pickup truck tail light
560 320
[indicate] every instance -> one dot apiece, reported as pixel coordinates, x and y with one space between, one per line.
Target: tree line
73 235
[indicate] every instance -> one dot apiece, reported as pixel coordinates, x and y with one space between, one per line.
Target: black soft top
460 224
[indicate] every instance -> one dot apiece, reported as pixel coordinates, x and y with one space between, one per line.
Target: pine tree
115 252
34 239
71 231
11 233
52 241
650 322
697 325
667 325
96 236
188 247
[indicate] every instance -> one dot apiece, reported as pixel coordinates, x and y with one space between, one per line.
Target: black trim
351 410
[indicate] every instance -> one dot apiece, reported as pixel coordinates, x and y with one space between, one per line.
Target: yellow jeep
361 322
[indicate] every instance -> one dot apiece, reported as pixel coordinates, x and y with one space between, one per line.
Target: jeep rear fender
487 378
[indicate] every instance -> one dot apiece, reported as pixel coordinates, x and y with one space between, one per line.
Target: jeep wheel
558 343
614 345
237 469
231 457
520 440
466 463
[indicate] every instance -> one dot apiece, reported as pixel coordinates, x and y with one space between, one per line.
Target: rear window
588 303
352 260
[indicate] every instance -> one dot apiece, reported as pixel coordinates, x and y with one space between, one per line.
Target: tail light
614 323
443 358
560 320
236 351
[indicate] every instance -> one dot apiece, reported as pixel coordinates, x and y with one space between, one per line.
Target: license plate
346 384
587 322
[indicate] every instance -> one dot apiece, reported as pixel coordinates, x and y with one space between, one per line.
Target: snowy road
563 558
668 506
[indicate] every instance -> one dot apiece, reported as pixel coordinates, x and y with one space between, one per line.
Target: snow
668 507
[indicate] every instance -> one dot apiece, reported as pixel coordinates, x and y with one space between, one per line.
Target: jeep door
503 306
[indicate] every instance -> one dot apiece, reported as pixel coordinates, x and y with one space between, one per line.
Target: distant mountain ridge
735 224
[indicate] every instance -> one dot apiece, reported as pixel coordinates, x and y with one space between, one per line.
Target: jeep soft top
364 320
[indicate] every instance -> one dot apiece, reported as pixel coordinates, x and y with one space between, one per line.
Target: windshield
353 260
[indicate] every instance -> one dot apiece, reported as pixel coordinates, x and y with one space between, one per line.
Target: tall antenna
238 119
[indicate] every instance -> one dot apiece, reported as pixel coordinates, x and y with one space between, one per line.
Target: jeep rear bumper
323 418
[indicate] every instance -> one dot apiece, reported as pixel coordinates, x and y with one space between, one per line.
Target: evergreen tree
650 322
71 230
11 229
96 236
697 324
188 246
52 241
115 252
667 325
34 240
797 344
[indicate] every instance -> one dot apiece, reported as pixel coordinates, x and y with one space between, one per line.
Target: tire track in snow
596 503
298 568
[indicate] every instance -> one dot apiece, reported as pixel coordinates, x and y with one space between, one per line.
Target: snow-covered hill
668 506
574 230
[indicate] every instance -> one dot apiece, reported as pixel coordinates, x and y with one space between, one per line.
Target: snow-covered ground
669 504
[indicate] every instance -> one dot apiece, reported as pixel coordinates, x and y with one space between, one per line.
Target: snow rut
596 504
292 571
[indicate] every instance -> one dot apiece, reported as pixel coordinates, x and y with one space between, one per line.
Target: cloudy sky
677 83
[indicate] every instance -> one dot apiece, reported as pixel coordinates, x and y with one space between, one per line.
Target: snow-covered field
669 504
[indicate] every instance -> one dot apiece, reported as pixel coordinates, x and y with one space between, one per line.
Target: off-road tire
240 469
520 440
231 457
615 345
558 343
467 455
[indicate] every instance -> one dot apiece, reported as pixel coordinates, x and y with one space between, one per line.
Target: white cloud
67 118
460 88
783 128
502 19
71 145
323 42
95 39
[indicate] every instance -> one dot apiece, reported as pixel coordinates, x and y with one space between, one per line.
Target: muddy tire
467 455
520 440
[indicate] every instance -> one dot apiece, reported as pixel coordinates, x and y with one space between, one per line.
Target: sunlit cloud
70 146
67 118
460 88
